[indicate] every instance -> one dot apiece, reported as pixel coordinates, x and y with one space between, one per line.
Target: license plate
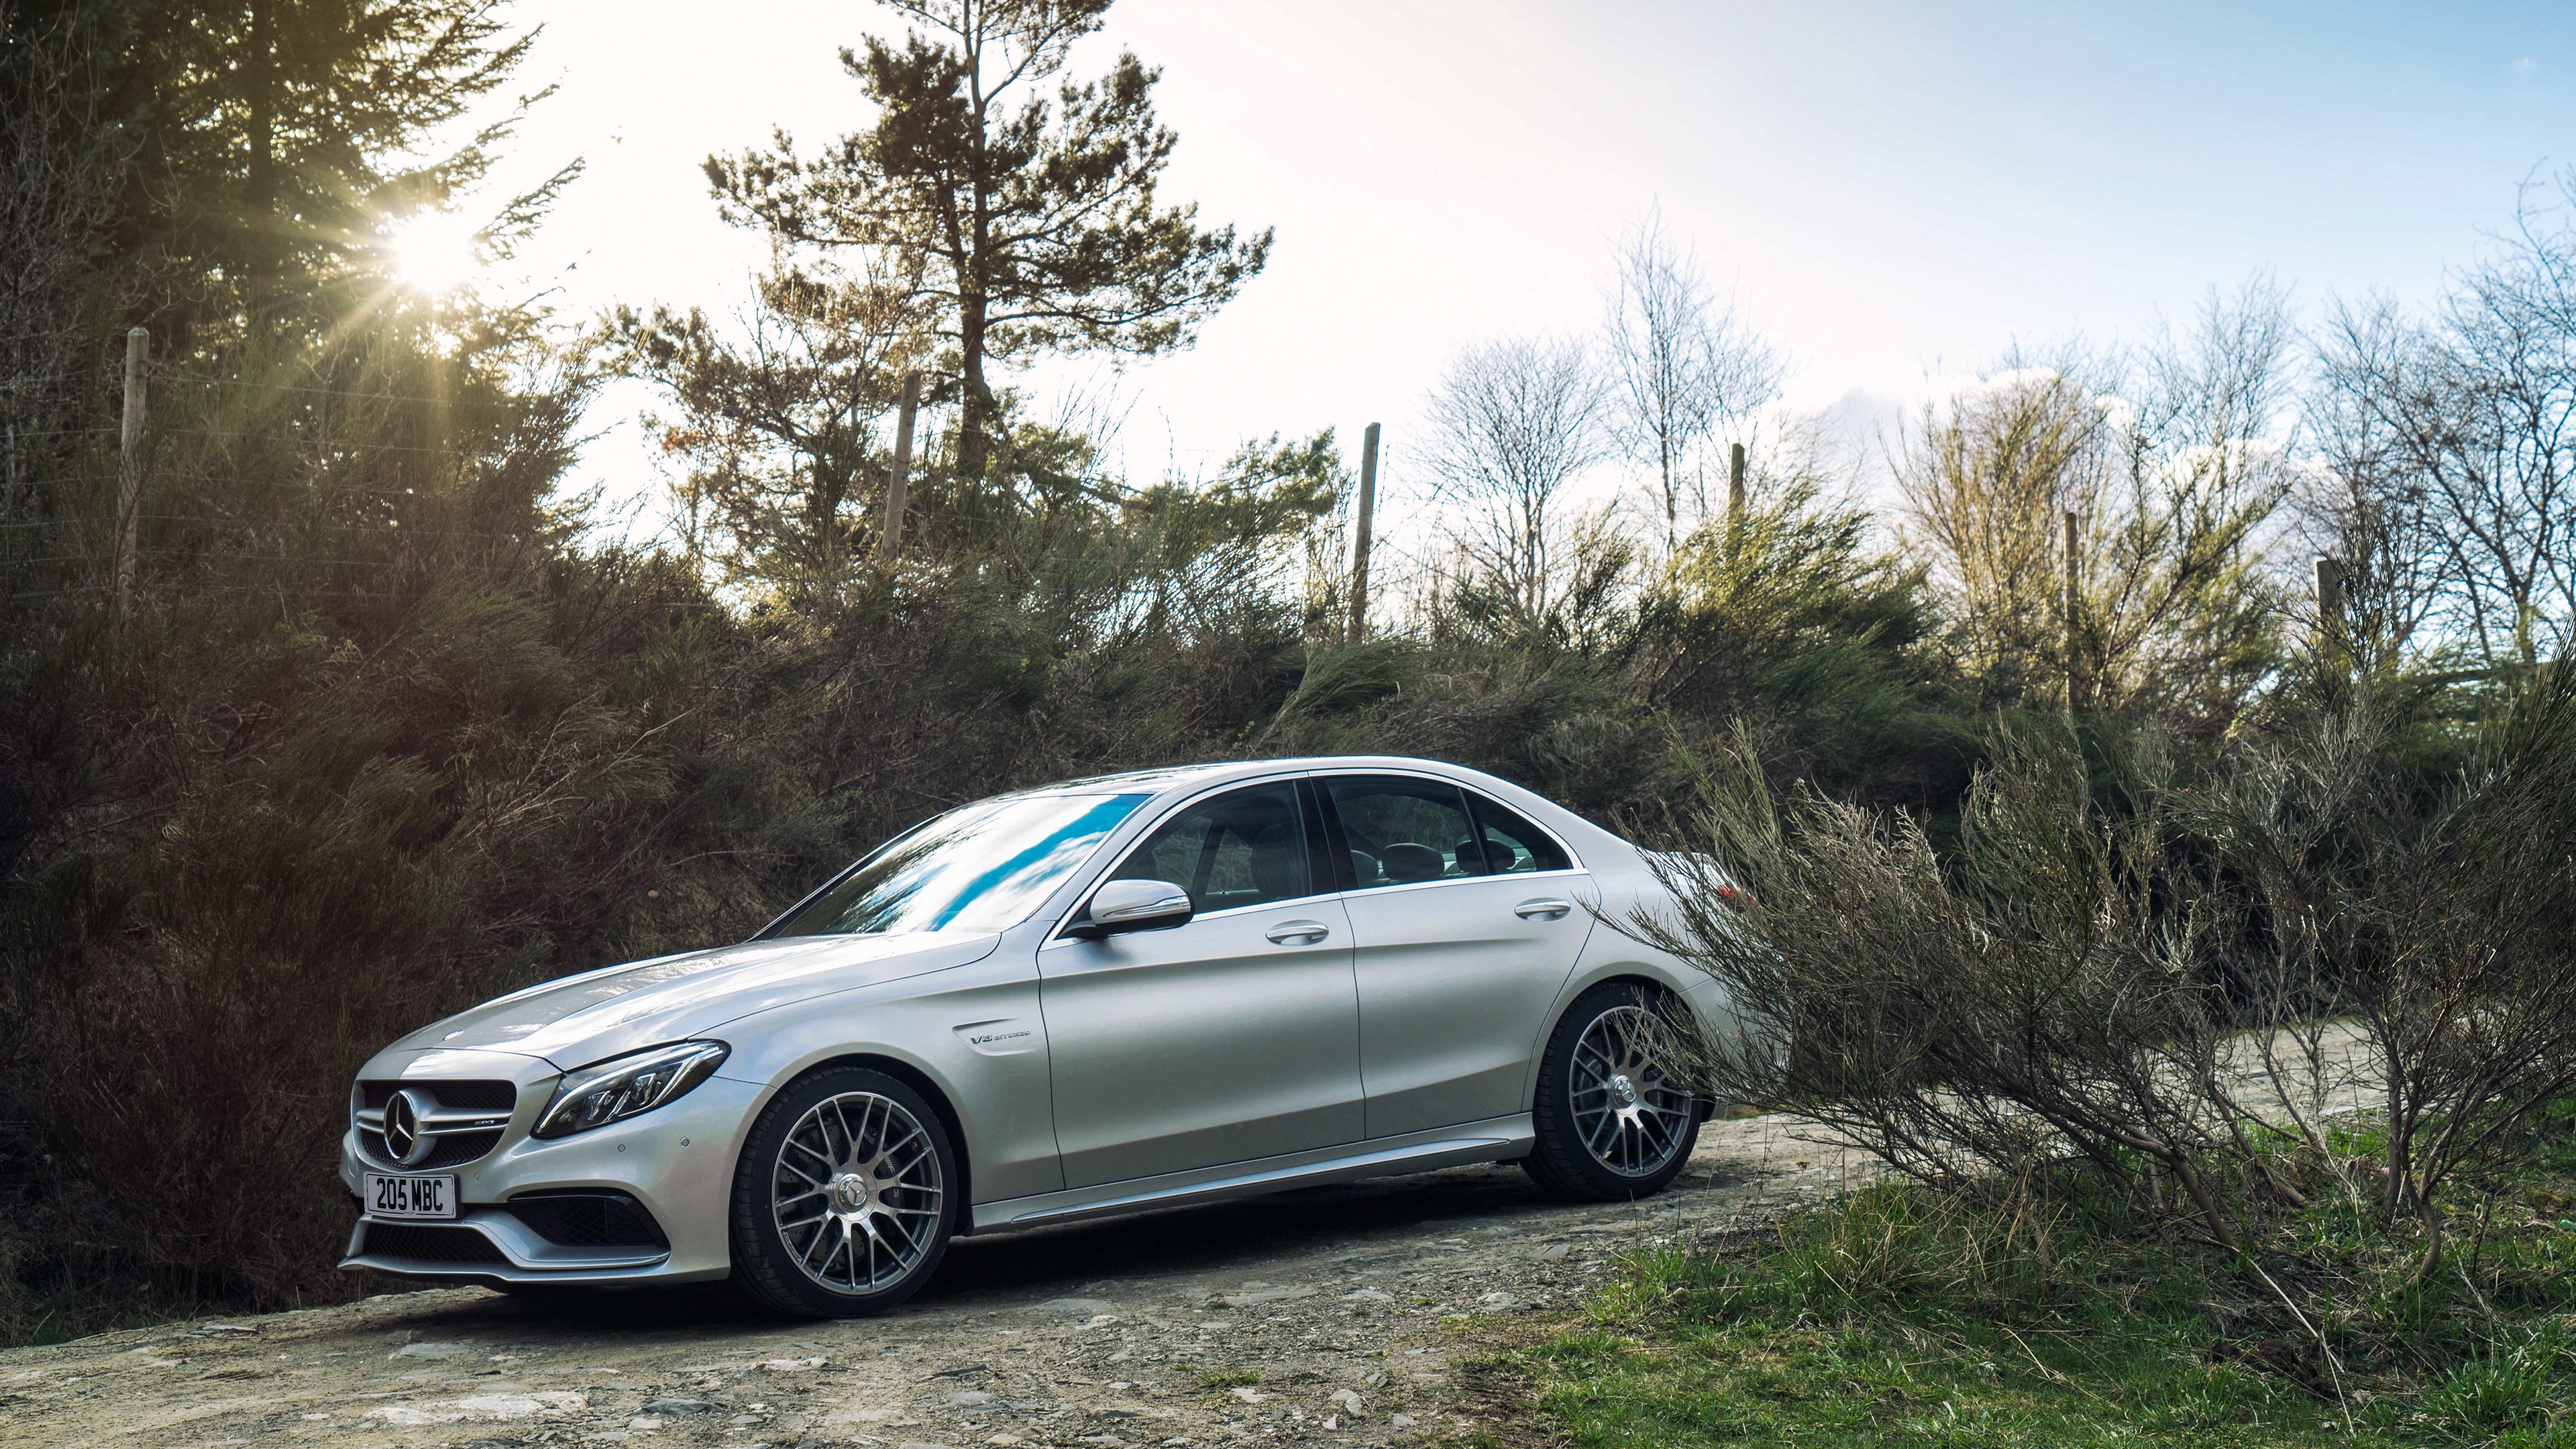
410 1197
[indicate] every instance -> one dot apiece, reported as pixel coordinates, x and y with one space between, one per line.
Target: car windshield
980 867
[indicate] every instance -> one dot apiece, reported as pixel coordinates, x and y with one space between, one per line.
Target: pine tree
1024 226
267 145
778 422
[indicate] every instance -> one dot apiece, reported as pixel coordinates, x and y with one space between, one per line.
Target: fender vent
589 1220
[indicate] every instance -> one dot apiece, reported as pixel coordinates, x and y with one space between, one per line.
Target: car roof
1173 780
1173 777
1180 780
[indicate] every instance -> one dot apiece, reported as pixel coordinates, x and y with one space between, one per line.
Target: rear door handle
1552 910
1302 933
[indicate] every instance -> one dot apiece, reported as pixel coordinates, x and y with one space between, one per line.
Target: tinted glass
1512 843
978 868
1402 831
1242 848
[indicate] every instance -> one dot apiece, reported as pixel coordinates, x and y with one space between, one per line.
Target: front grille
589 1220
445 1151
430 1243
454 1096
449 1149
455 1148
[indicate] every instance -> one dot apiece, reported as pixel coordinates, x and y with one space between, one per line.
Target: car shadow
1063 1261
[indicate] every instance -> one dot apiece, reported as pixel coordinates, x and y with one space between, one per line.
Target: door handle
1552 910
1303 933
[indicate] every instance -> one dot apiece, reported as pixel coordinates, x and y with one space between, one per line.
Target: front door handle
1302 933
1552 910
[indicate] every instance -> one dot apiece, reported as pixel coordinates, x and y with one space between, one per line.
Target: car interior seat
1406 862
1277 865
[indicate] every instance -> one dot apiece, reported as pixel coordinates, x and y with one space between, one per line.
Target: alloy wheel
1628 1111
856 1192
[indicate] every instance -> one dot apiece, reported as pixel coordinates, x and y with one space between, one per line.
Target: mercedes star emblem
403 1137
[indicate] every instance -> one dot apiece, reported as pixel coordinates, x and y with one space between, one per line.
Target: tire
845 1196
1600 1141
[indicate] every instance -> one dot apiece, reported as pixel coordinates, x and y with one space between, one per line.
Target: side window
1243 848
1401 831
1512 843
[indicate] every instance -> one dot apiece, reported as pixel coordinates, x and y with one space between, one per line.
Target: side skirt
1493 1140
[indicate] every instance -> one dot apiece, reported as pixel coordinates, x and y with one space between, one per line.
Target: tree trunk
259 190
976 404
2431 1218
975 400
825 508
1672 486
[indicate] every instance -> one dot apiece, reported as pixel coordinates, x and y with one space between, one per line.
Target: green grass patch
1903 1316
1225 1378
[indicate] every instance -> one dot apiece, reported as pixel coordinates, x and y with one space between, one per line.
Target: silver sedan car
1123 993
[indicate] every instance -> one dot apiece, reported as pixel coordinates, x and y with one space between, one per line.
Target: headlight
621 1087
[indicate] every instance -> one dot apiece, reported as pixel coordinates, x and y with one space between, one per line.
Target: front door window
1241 849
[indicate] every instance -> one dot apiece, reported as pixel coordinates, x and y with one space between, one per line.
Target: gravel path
1305 1317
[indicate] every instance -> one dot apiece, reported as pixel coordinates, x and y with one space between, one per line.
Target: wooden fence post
129 488
1360 538
2072 600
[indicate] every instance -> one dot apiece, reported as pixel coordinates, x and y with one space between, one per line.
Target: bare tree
1513 423
1986 479
2453 439
2174 462
2178 604
1685 365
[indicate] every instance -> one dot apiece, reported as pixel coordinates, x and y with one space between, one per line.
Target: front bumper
676 1161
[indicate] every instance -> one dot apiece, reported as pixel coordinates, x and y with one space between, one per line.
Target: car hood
581 1019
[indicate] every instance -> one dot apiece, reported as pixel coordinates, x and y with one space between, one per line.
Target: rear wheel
842 1202
1613 1117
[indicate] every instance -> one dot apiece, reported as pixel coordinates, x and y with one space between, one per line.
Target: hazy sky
1896 190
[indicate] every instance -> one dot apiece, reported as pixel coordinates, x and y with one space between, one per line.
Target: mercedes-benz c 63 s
1114 994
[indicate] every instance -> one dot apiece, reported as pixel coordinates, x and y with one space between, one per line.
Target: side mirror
1133 905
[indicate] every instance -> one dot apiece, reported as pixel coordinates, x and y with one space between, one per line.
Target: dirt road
1307 1317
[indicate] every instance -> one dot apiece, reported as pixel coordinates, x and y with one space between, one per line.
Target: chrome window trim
1459 880
1058 938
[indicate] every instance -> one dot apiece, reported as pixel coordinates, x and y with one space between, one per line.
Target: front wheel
1613 1117
842 1203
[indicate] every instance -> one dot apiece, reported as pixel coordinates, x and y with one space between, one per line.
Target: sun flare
437 251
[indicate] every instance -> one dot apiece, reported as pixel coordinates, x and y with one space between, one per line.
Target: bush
1982 1021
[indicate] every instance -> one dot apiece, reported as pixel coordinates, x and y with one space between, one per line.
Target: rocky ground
1307 1317
1324 1317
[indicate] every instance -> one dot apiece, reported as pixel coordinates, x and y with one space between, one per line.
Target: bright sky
1896 190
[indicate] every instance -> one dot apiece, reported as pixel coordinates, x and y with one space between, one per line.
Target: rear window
1513 843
